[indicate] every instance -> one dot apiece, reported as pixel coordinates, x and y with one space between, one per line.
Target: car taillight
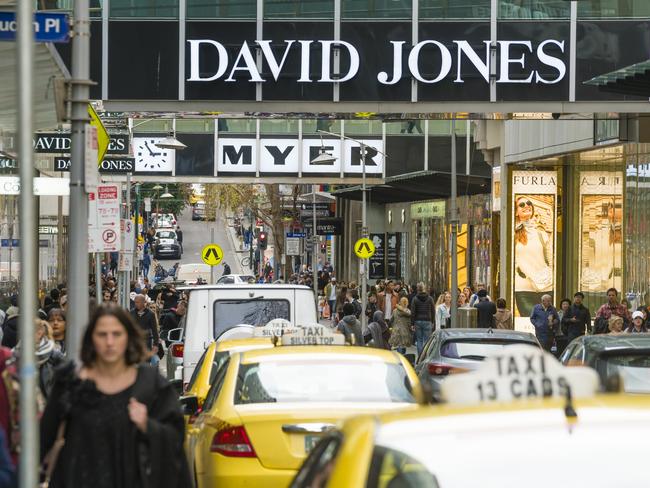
178 350
232 442
439 369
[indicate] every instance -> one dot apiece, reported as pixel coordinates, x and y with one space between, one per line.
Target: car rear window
306 381
477 349
256 311
166 235
633 368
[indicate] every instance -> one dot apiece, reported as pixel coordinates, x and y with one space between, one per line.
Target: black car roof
487 334
607 342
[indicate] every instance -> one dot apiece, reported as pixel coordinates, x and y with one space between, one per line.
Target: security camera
555 116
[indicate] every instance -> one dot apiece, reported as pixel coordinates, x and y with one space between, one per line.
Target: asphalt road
196 234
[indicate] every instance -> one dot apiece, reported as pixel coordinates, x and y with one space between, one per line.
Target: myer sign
460 56
291 156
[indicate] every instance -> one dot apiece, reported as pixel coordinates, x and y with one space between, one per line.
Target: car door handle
311 428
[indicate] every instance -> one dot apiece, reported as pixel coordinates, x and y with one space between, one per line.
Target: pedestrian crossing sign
212 254
364 248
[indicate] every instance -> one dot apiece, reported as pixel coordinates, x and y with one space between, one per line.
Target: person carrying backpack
350 326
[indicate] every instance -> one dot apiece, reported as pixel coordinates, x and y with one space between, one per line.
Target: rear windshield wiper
476 357
243 300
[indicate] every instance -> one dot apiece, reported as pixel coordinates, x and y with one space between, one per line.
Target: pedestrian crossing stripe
364 248
212 254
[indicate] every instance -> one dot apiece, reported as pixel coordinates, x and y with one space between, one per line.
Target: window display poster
393 251
533 240
601 231
376 264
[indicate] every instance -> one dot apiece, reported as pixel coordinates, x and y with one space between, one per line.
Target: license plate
310 442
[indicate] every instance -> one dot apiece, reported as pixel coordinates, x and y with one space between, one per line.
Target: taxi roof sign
520 372
275 328
313 335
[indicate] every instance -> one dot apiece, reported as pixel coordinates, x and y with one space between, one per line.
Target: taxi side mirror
175 335
190 404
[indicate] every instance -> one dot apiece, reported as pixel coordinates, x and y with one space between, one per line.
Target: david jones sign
516 55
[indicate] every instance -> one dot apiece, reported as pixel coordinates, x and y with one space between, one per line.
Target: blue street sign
48 27
9 242
296 234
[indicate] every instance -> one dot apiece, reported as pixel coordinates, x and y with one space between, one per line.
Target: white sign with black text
282 156
520 372
104 219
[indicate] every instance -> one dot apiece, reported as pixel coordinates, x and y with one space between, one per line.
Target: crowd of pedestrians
131 411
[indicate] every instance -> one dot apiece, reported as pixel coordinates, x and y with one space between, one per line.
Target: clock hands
148 148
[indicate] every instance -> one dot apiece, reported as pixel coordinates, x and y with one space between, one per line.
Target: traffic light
262 240
323 248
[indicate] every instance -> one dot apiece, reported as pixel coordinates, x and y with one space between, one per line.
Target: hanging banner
125 262
601 231
534 196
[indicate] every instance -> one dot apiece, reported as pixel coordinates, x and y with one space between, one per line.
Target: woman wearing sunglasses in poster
533 253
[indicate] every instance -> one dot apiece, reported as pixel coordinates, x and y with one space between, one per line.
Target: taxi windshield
322 381
477 349
633 368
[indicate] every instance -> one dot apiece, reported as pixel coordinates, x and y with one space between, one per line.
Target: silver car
451 351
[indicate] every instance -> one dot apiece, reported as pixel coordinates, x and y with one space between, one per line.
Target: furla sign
284 156
453 61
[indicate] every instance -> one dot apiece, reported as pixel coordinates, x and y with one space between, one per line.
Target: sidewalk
236 246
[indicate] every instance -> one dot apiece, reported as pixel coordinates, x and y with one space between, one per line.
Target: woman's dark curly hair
135 350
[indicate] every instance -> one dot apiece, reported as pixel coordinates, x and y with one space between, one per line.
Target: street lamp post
453 220
321 159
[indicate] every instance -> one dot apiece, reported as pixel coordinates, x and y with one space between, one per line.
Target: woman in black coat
123 426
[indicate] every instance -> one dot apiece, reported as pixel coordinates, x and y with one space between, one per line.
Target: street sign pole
454 229
78 231
364 233
213 271
314 246
28 471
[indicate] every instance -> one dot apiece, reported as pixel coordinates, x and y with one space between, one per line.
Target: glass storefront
595 222
430 255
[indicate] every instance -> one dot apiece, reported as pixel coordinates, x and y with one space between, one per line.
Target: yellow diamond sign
212 254
103 139
364 248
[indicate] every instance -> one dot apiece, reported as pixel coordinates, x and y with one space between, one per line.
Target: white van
190 273
218 312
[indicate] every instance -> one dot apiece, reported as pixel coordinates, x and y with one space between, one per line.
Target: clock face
150 158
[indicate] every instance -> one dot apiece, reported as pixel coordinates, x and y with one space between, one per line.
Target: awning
421 185
632 80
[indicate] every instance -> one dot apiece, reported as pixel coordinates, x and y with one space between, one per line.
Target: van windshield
256 311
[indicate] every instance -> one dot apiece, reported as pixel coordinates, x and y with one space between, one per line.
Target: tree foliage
176 205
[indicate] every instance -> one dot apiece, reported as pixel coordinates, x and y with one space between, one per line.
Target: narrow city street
197 234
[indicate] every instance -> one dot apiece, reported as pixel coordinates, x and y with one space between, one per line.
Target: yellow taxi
214 357
266 409
540 425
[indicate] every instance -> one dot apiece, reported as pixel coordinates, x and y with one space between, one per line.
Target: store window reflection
291 9
228 9
369 9
150 8
454 9
603 9
534 9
